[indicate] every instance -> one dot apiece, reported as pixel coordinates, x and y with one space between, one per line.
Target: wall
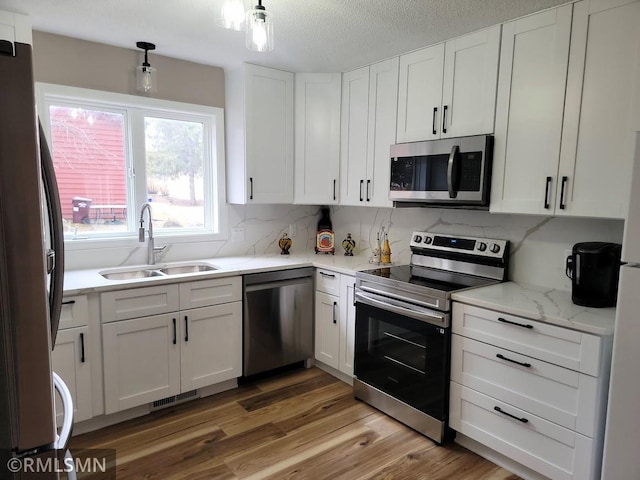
538 244
80 63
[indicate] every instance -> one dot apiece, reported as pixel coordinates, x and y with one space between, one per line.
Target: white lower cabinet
71 357
531 391
141 361
335 321
210 352
71 360
154 357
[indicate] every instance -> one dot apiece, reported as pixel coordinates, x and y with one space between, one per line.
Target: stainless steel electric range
403 334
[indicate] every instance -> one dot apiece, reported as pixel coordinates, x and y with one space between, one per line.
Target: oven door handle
418 313
382 294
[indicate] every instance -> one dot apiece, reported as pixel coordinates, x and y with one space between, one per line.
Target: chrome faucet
151 249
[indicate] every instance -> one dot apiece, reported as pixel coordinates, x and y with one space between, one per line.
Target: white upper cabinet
598 140
531 87
469 86
368 129
420 94
15 27
449 90
353 138
383 108
317 138
259 121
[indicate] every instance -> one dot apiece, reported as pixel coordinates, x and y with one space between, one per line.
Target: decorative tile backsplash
538 244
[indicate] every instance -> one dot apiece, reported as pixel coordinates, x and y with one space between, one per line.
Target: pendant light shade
145 73
259 29
231 14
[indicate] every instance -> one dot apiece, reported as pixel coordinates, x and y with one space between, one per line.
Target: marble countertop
529 301
542 304
78 282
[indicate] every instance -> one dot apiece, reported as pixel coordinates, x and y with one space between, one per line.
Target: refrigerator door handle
56 229
67 407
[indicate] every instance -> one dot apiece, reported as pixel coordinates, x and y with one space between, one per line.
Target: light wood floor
299 425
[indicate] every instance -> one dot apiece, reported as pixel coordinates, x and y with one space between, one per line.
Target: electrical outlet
292 230
237 234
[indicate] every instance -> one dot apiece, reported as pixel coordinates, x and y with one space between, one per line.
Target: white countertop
529 301
78 282
542 304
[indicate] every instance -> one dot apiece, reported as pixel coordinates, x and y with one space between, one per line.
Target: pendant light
145 73
259 29
231 14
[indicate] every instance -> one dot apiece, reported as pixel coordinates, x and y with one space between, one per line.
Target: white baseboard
497 458
103 421
336 373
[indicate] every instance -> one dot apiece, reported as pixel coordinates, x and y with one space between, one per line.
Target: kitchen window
113 152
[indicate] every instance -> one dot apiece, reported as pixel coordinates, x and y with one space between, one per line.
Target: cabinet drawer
210 292
541 445
328 282
138 302
563 396
568 348
74 313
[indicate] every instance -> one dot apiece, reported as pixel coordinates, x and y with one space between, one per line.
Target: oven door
404 351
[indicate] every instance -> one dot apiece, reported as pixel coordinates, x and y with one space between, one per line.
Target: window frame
135 109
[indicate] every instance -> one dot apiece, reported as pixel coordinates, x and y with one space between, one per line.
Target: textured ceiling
310 36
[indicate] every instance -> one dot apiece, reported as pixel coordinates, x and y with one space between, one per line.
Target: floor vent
174 400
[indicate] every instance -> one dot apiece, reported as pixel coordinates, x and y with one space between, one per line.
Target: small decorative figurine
348 244
325 238
285 244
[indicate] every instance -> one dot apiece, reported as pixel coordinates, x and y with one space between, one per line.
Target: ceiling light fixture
231 14
145 73
259 29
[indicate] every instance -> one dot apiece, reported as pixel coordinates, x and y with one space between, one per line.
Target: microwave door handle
451 172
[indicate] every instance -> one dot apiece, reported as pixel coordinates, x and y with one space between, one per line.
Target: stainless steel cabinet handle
547 204
361 183
368 185
335 304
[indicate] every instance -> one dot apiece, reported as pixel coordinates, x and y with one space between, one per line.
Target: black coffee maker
593 268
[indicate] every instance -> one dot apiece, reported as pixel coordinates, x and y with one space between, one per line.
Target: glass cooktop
426 277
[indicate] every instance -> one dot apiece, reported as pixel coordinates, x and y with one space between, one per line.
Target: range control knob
428 240
482 246
417 239
495 248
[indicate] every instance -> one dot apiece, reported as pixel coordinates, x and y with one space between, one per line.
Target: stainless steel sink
179 269
130 274
160 271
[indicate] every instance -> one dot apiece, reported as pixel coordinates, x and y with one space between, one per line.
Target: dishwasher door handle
277 284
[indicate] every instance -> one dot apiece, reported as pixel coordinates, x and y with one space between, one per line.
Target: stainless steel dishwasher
278 319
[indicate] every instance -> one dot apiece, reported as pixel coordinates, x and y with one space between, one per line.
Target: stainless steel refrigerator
31 272
622 436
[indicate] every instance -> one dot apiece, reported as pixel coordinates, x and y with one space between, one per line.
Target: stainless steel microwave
452 172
